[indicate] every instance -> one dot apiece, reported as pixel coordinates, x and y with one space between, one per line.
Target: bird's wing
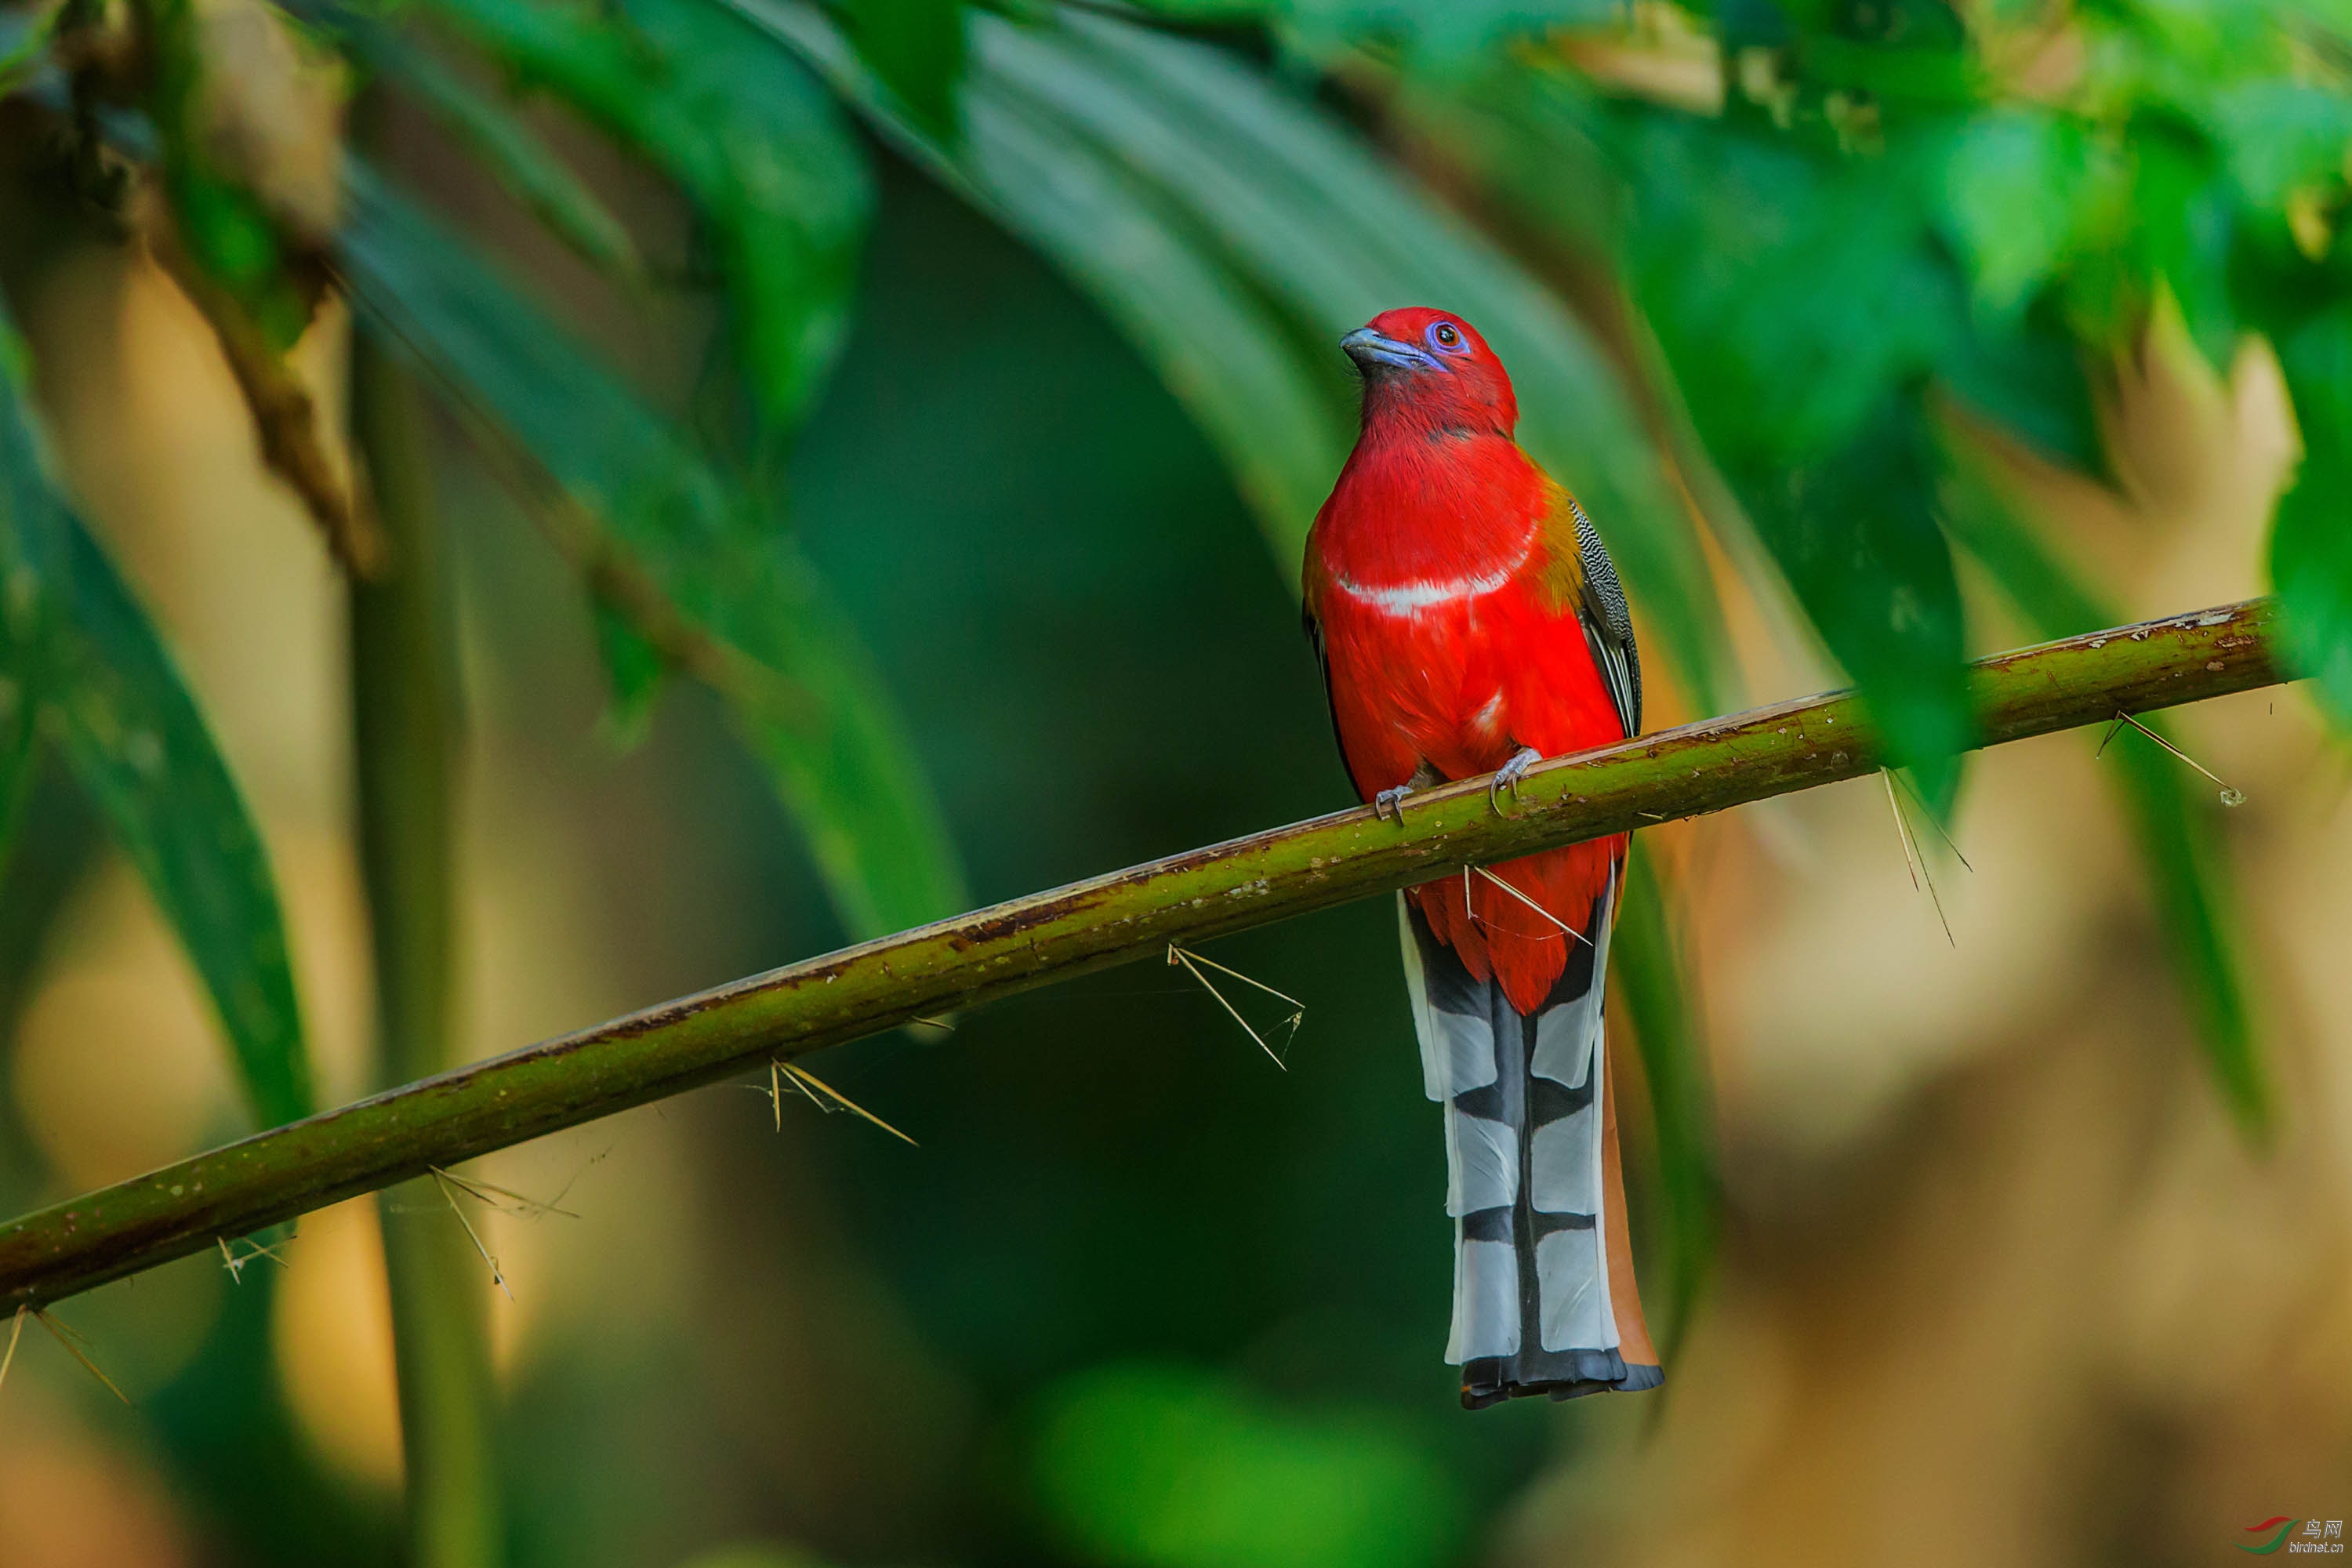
1314 629
1608 622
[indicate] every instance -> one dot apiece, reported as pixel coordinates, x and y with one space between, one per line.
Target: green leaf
1656 990
2281 137
140 747
2030 379
19 694
529 169
135 737
1803 304
753 138
2013 201
2311 545
635 669
2186 861
1855 534
917 50
648 515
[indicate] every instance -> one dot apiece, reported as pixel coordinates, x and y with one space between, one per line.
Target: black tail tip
1494 1379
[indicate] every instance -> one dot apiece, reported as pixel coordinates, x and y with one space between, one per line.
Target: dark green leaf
1656 990
1854 533
754 140
635 669
18 697
140 747
58 836
2311 543
1792 295
916 49
135 737
1801 305
2188 872
662 519
2032 381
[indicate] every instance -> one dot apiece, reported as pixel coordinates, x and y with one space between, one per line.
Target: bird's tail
1544 1300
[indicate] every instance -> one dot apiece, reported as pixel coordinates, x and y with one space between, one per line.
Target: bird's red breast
1446 583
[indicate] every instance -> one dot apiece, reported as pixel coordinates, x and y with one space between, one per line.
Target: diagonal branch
1032 941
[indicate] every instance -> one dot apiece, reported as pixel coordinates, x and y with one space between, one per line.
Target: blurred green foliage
1149 1466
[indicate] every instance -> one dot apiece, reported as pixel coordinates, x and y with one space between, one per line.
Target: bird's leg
1390 802
1507 776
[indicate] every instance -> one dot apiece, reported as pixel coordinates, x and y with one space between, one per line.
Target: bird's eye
1445 335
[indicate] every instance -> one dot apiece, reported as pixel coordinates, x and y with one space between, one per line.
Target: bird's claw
1509 775
1390 802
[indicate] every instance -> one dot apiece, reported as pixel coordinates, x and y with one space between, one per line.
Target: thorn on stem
235 1262
1912 859
450 1186
64 1335
2229 795
1904 784
16 1332
1190 960
821 1095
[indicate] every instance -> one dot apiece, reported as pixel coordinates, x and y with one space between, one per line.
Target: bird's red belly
1461 685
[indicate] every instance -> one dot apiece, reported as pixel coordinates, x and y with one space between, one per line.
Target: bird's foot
1509 775
1390 802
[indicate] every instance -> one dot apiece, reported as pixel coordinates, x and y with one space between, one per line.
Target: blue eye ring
1446 338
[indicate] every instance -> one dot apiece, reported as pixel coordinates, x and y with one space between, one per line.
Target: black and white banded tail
1544 1300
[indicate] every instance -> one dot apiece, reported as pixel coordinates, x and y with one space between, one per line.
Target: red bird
1469 621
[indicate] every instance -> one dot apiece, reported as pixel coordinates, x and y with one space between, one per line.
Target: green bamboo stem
1089 925
403 725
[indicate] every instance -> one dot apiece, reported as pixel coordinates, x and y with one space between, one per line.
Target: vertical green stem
404 713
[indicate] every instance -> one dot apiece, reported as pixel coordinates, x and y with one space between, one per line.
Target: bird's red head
1431 369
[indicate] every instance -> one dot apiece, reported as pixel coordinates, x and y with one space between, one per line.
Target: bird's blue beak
1374 351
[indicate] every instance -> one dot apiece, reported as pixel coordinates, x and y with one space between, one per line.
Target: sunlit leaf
2281 137
1656 990
138 744
2013 200
2186 858
646 513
